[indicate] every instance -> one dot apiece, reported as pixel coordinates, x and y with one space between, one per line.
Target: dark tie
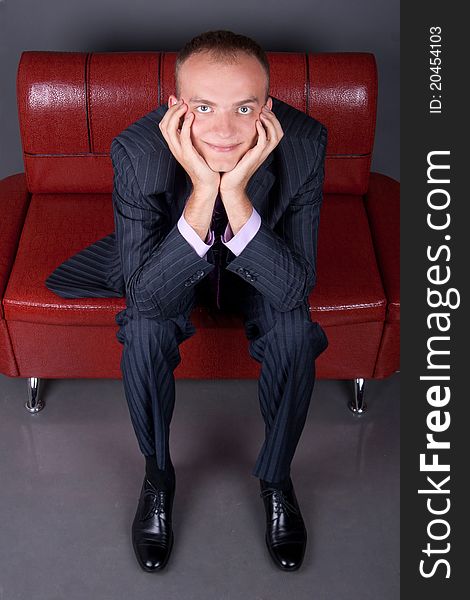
218 224
219 217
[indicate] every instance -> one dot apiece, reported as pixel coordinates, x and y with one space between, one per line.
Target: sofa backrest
72 104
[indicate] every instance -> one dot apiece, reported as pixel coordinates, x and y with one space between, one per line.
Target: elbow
311 283
145 303
298 294
146 307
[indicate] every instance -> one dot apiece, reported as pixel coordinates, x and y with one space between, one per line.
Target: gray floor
70 478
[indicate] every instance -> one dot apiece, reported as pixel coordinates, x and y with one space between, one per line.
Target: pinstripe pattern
95 271
286 344
151 263
149 357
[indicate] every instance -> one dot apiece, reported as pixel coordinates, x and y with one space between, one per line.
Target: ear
269 103
172 100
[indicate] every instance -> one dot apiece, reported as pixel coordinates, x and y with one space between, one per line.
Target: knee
290 333
300 336
149 334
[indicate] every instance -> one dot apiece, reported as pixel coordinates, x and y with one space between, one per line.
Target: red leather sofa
71 105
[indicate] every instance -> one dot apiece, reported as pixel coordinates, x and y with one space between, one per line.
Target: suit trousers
284 343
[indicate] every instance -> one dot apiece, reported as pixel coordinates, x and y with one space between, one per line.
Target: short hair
223 46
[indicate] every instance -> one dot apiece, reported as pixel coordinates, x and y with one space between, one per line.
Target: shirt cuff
236 243
193 238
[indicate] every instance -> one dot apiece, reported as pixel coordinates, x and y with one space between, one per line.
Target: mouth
222 148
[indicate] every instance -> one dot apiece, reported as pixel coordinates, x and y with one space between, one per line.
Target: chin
221 166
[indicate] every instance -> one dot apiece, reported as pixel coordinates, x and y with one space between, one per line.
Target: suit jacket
154 266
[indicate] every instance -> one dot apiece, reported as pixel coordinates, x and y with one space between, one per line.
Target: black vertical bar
434 270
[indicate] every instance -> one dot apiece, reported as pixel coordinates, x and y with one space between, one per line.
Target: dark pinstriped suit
151 263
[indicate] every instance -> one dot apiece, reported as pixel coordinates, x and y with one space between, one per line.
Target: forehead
203 76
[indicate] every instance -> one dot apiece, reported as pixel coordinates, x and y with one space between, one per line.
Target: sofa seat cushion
348 290
349 287
56 227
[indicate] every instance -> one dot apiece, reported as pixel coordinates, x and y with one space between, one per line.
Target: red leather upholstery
383 211
14 200
71 105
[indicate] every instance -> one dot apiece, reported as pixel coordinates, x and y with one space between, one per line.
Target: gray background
116 25
62 464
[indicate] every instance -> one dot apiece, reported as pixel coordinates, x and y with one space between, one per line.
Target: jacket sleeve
281 263
159 265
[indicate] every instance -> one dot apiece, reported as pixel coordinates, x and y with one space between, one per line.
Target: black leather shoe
286 535
152 532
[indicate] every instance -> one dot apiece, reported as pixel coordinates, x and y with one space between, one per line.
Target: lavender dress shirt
235 243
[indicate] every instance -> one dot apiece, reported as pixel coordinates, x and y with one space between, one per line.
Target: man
216 199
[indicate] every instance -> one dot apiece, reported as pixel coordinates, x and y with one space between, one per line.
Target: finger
185 135
274 132
270 141
186 128
170 121
175 117
266 120
172 128
270 117
167 138
262 132
171 110
166 127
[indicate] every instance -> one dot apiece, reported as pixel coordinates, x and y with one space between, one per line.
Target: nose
224 127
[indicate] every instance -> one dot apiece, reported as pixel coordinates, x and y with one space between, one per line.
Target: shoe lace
158 503
281 504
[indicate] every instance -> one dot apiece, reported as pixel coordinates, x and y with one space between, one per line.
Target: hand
181 146
270 134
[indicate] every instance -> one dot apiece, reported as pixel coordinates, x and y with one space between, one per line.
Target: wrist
232 190
204 192
233 194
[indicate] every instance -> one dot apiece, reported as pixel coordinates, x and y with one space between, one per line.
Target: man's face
226 100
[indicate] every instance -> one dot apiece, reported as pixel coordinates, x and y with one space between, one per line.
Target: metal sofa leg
357 405
34 403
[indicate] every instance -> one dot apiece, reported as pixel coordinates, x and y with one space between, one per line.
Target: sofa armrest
14 202
382 203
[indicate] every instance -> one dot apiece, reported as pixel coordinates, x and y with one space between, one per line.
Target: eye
246 113
203 106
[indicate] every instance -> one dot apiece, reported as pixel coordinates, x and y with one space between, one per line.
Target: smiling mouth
222 148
